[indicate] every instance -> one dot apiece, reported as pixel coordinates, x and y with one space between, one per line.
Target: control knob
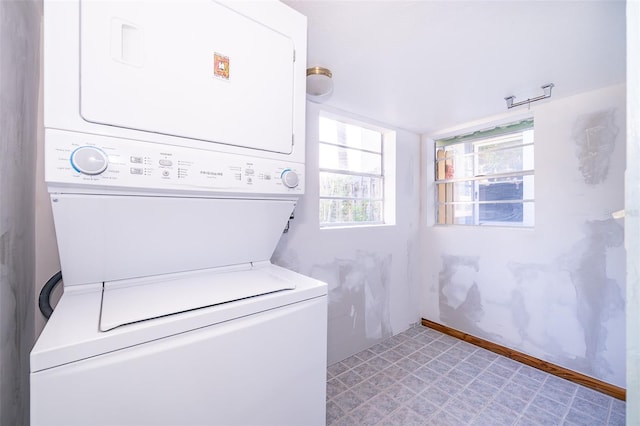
89 160
289 178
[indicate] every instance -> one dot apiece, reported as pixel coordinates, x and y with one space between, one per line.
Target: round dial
289 178
89 160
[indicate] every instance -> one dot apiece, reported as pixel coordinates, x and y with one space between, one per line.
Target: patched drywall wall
363 292
632 212
595 136
460 303
19 78
583 298
555 291
372 272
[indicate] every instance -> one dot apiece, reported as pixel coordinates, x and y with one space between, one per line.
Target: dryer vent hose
44 300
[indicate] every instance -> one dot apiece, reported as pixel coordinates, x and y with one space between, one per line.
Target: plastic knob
290 178
89 160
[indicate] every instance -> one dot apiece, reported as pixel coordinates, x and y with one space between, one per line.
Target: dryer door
194 69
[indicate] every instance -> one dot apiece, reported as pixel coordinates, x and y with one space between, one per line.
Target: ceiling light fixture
319 84
547 94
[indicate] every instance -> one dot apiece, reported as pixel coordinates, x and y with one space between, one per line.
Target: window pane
462 214
506 188
371 140
488 162
328 130
454 163
508 141
501 161
458 191
500 189
339 133
500 212
493 189
350 211
337 158
485 157
339 185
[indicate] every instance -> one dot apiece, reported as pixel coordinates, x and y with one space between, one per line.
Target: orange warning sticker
221 66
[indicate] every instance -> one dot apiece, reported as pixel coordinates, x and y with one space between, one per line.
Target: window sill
358 226
501 226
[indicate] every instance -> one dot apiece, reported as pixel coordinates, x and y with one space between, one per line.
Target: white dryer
174 144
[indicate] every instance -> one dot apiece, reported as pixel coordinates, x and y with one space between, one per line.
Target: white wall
372 272
19 79
557 291
632 207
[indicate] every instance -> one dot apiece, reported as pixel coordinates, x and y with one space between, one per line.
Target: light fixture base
319 83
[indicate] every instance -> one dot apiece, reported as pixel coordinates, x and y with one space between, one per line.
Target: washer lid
73 333
131 301
111 238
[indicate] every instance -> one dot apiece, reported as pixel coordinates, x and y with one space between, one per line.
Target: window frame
444 187
383 177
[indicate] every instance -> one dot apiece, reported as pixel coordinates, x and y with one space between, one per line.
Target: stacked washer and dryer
174 157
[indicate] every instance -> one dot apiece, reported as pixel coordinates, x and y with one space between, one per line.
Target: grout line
573 398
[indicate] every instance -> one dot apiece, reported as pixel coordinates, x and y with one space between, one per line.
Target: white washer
173 170
257 361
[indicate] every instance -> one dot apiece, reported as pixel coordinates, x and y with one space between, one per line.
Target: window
352 179
487 177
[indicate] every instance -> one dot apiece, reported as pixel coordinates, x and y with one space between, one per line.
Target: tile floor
423 377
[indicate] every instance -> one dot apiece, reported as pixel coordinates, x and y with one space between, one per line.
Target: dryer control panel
85 160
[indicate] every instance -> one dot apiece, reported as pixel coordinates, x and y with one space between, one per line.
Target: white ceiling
428 65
